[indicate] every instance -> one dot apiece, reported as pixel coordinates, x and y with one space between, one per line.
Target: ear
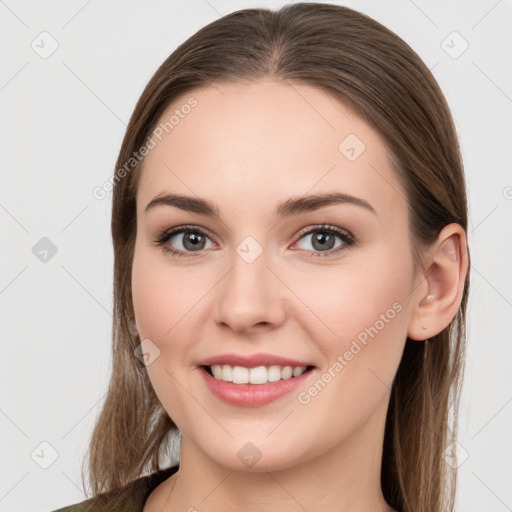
438 296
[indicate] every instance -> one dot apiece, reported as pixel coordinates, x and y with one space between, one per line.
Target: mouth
254 386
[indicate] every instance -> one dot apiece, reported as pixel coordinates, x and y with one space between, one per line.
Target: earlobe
445 270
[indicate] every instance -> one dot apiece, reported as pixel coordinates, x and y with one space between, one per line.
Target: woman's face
326 284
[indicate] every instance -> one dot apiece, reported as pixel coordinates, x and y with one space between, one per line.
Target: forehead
267 140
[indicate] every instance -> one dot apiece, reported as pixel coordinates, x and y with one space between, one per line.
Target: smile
261 391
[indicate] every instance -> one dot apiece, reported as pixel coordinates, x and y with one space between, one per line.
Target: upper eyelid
327 227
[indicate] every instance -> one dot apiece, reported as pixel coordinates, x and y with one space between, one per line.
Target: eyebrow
290 207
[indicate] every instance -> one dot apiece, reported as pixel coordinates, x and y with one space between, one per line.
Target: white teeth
217 371
274 374
257 375
287 372
240 375
227 373
298 371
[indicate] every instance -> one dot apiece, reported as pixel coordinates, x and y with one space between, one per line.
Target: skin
247 148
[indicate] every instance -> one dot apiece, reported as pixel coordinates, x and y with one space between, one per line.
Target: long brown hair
372 70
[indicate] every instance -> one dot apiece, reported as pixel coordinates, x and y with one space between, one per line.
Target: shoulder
130 498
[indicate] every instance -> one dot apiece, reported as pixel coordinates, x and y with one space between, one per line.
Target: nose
250 296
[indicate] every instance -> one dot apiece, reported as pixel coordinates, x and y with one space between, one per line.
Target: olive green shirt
130 498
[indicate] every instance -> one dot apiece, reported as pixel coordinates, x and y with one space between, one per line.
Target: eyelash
346 237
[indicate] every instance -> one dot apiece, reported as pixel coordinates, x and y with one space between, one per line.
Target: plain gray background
63 119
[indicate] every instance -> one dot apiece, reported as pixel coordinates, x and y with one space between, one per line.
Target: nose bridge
249 294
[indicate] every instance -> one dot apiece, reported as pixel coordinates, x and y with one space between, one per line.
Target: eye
183 240
325 240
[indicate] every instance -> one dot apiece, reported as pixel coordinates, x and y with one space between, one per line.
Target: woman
291 275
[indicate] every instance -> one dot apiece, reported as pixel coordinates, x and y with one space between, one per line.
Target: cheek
360 313
167 301
149 302
155 296
342 302
366 309
161 300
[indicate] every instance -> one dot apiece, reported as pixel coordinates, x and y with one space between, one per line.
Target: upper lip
251 361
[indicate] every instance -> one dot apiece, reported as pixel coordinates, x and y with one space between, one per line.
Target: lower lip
252 395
